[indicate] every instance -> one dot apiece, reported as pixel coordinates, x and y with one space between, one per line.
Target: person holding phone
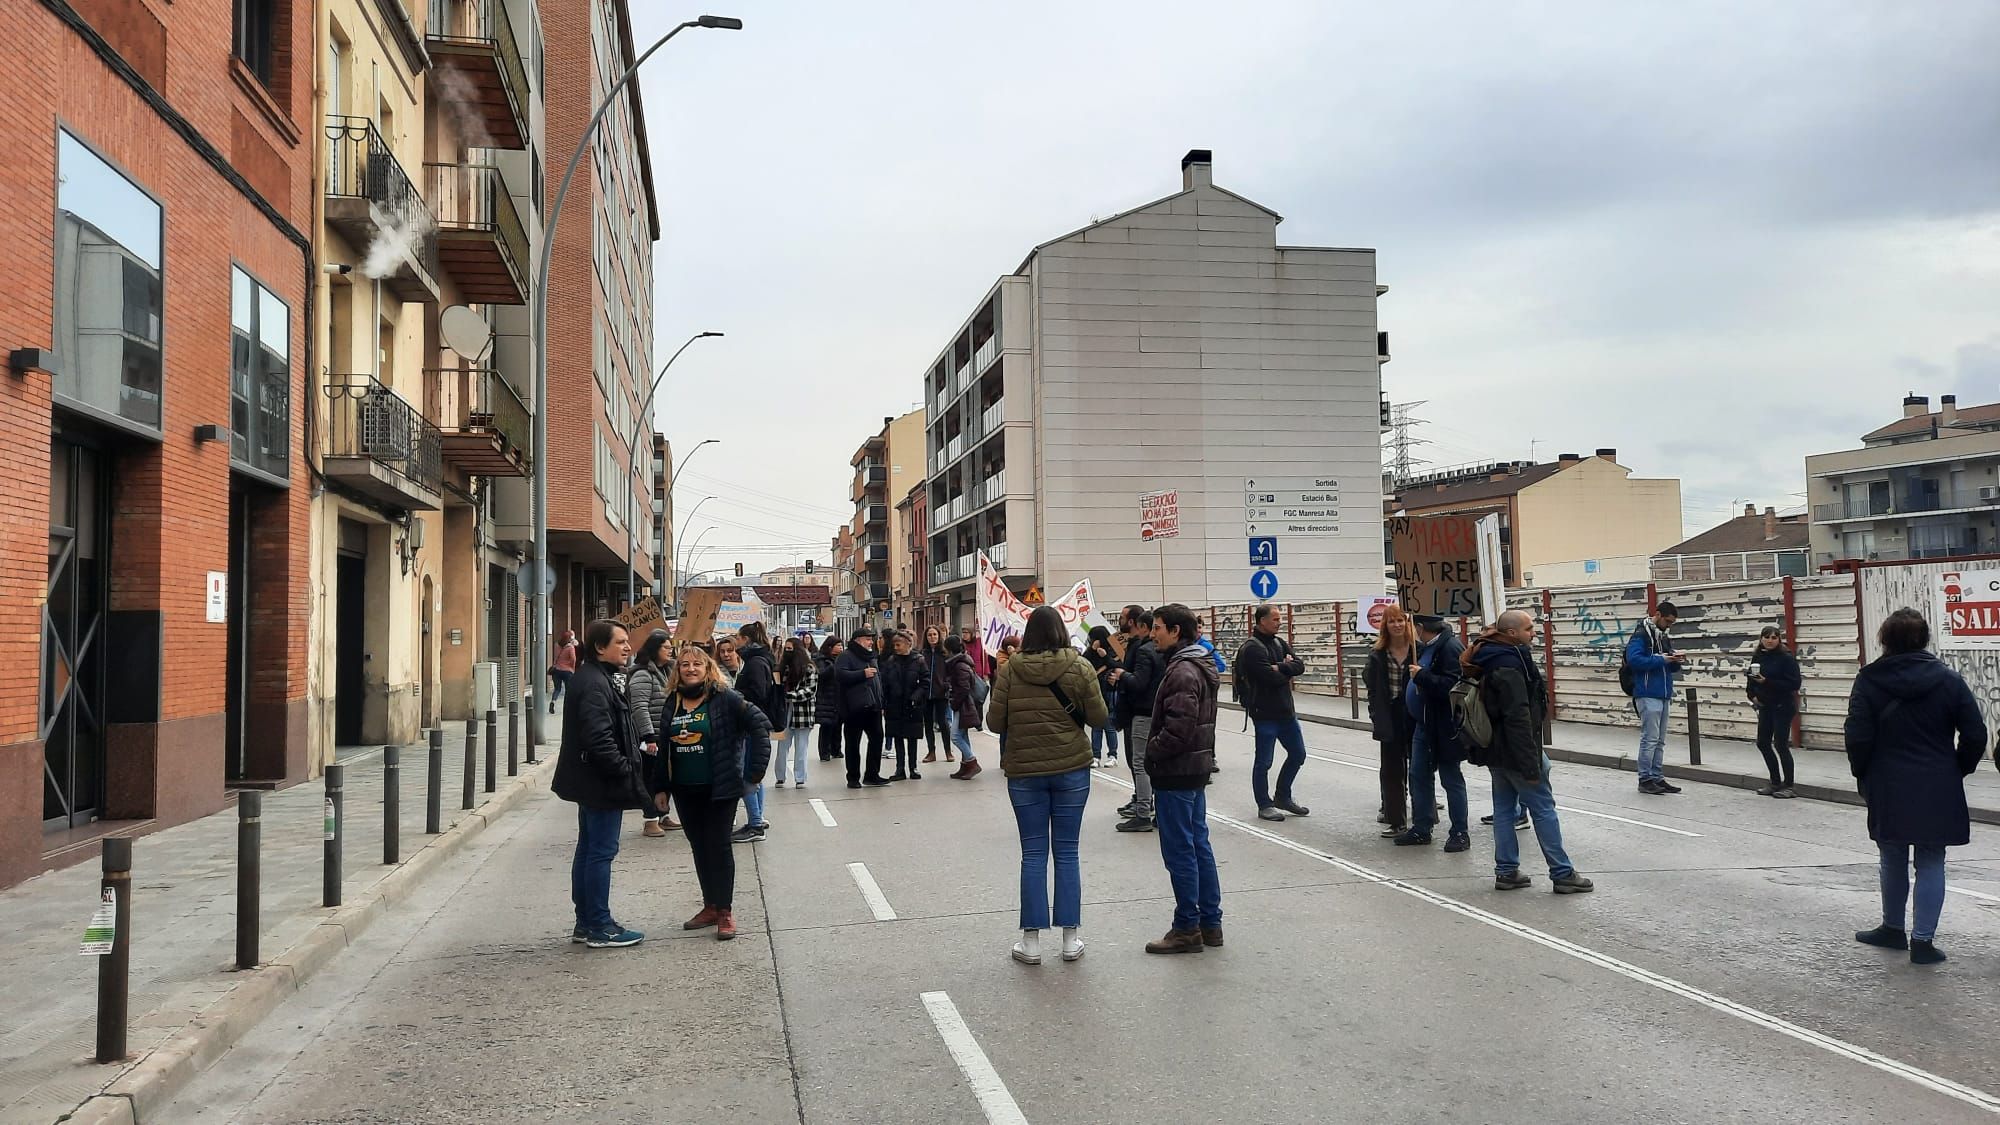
1772 681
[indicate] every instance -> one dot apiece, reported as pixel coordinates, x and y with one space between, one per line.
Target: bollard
434 789
471 780
114 969
513 737
1354 693
492 748
331 830
392 805
249 874
1694 728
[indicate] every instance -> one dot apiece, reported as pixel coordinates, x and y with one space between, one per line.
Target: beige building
1574 519
887 465
1925 486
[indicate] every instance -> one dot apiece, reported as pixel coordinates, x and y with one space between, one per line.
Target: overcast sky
1715 236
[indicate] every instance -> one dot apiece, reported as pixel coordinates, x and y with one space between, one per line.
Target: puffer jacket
1182 747
1041 736
739 749
757 682
1913 734
906 694
860 693
826 701
646 690
597 765
1511 689
958 677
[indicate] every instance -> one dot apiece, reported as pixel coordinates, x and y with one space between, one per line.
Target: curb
153 1081
1705 775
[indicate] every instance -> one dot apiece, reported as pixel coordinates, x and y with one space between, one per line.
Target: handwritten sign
1968 611
1160 515
1001 613
1437 564
699 605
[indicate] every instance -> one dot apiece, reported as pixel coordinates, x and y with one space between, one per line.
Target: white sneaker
1028 951
1072 949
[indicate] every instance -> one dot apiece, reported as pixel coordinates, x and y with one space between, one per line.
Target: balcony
1381 347
875 553
868 478
954 449
372 203
477 71
997 555
960 378
380 446
986 354
875 514
993 416
878 591
480 238
1881 506
486 427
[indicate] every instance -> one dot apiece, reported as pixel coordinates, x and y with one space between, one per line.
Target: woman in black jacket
1387 679
757 682
826 703
1772 681
937 713
1901 717
646 689
598 770
716 749
1102 661
906 702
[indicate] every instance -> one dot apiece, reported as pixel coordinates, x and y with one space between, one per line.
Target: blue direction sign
1263 584
1263 550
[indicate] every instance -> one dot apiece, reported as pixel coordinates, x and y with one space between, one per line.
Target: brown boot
931 757
708 917
653 828
1177 941
1211 937
968 771
725 925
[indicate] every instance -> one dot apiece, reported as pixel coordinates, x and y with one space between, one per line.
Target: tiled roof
1977 417
1744 533
1418 497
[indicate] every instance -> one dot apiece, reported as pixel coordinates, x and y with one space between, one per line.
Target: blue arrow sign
1263 585
1263 550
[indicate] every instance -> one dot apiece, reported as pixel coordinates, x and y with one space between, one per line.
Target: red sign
794 595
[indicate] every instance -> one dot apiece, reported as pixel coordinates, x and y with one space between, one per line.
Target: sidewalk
1820 774
187 1001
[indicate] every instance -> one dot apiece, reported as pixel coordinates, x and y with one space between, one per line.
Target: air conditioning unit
1989 494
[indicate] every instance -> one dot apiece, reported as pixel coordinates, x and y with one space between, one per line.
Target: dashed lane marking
820 810
987 1085
872 892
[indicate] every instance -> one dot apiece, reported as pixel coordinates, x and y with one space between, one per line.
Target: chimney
1608 454
1770 524
1750 510
1197 169
1948 410
1569 459
1916 406
1499 473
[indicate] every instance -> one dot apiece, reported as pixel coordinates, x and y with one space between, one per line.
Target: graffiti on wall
1604 636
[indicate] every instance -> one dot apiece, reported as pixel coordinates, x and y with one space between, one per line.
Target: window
109 302
260 375
257 38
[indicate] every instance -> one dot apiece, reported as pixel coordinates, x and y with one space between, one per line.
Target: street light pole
544 576
632 451
689 522
670 494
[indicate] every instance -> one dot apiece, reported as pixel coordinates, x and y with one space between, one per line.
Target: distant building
888 464
1921 487
1574 519
1750 546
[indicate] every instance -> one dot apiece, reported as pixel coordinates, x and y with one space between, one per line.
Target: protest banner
1437 564
1001 613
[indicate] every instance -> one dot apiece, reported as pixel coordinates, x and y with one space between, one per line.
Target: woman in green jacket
1043 699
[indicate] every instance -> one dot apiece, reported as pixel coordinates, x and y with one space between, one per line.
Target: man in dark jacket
757 683
861 702
1511 690
1137 679
1266 667
598 770
1434 749
1179 758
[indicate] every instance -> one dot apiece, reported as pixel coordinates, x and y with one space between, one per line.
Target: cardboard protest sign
1437 564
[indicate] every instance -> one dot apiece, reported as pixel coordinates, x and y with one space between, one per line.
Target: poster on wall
1001 613
1968 609
1437 564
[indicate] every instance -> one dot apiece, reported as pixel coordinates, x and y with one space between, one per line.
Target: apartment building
1925 486
662 534
430 203
153 583
1572 520
913 604
1174 346
886 465
599 486
1747 548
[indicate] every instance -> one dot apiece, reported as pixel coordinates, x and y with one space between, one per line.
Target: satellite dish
465 331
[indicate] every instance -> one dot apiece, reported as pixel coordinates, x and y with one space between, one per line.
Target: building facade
1925 486
915 607
886 467
1176 346
662 533
1746 548
153 572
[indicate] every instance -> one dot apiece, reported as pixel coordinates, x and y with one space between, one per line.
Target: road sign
1273 527
1264 550
1326 513
530 571
1263 584
1285 484
1291 496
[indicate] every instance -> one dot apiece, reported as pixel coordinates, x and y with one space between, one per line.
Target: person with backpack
1772 682
1390 722
1434 744
1498 704
967 692
1265 669
1137 679
1647 675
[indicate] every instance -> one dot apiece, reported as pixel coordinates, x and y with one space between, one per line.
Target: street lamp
689 522
676 476
632 451
539 326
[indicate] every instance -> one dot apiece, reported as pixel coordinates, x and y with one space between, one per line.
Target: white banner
1369 611
1002 614
1492 580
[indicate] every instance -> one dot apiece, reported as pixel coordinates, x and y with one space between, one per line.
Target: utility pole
1402 439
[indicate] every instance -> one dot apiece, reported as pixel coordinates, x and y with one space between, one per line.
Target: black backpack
1628 679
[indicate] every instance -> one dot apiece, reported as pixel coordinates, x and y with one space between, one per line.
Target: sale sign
1160 515
1969 609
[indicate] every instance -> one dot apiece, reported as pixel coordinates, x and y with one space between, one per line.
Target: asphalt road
1712 977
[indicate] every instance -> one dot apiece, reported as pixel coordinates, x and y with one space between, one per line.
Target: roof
1130 211
1457 493
1972 417
1745 533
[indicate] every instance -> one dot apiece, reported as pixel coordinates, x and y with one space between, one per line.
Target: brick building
153 592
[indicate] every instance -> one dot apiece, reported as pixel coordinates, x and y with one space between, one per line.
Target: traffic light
809 566
739 570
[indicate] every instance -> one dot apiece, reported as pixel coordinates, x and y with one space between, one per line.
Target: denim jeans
753 797
590 866
1135 757
1049 810
1652 738
1270 732
1423 798
1896 887
1100 737
794 748
961 738
1540 800
1182 821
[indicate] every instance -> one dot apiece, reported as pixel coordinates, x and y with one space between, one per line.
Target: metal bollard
114 969
1354 693
392 805
434 790
470 782
492 749
249 875
332 829
1694 728
513 737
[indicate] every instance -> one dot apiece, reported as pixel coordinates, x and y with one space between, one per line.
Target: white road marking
872 892
986 1082
820 810
1973 894
1968 1094
1565 808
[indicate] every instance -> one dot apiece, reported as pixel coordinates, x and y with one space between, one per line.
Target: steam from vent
397 238
460 99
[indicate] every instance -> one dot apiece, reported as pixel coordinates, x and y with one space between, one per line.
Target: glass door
72 710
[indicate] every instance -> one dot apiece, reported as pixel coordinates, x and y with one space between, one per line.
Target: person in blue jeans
1903 714
1654 665
1265 669
1043 698
1511 689
1180 755
1434 744
598 770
